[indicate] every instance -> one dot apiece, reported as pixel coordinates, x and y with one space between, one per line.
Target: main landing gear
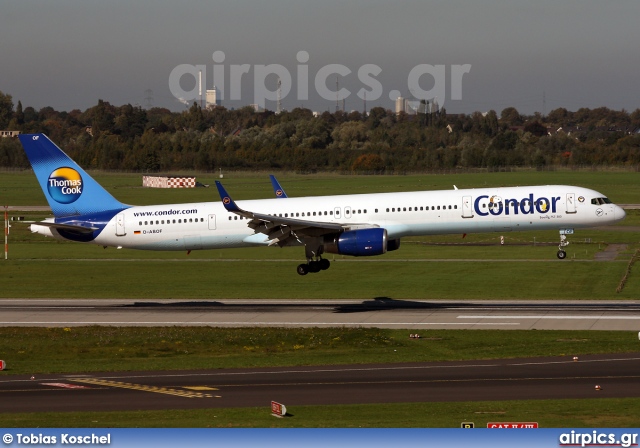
562 254
313 249
321 264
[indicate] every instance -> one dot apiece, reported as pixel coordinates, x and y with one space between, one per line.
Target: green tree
6 109
536 128
511 117
19 115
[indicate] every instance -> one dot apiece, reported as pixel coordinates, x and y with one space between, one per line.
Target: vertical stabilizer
69 190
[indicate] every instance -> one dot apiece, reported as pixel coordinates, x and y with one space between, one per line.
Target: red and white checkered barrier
168 182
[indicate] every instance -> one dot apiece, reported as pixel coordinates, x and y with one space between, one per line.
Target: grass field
622 187
586 413
91 349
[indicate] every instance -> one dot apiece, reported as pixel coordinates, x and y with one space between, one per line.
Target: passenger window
387 210
331 212
162 222
409 208
404 209
438 207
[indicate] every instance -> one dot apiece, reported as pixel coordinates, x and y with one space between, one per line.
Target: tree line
130 138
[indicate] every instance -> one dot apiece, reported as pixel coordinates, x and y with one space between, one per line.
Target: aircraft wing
278 229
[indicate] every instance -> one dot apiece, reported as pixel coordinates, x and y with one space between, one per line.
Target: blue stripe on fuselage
99 220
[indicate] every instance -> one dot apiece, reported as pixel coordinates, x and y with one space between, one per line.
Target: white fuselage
208 225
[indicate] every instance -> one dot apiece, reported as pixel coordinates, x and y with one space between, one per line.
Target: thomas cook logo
65 185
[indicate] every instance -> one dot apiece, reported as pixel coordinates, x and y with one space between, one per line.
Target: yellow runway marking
199 388
142 387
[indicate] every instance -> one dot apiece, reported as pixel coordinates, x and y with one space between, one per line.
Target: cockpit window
600 201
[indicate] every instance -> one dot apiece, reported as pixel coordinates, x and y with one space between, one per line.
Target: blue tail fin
277 189
68 188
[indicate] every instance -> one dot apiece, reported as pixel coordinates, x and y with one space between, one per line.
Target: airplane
352 224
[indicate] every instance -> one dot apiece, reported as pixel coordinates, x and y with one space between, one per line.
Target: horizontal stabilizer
74 228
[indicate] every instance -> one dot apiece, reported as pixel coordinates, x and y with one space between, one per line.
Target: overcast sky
573 53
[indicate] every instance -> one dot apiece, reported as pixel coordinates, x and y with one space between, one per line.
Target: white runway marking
553 317
242 323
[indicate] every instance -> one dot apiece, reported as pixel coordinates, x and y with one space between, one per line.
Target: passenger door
120 230
467 208
571 202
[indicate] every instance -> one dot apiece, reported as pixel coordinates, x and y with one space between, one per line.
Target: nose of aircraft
619 213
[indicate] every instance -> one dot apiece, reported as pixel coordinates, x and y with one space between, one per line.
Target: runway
516 379
380 312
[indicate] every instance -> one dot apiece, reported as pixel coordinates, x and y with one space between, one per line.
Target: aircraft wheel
324 264
302 269
562 254
314 266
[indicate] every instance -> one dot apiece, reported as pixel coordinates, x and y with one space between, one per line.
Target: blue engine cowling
358 243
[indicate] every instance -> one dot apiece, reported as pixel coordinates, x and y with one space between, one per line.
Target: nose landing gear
562 254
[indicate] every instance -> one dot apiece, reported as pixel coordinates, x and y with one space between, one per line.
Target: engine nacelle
358 243
393 244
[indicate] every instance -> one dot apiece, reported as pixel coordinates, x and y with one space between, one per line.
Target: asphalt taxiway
514 379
